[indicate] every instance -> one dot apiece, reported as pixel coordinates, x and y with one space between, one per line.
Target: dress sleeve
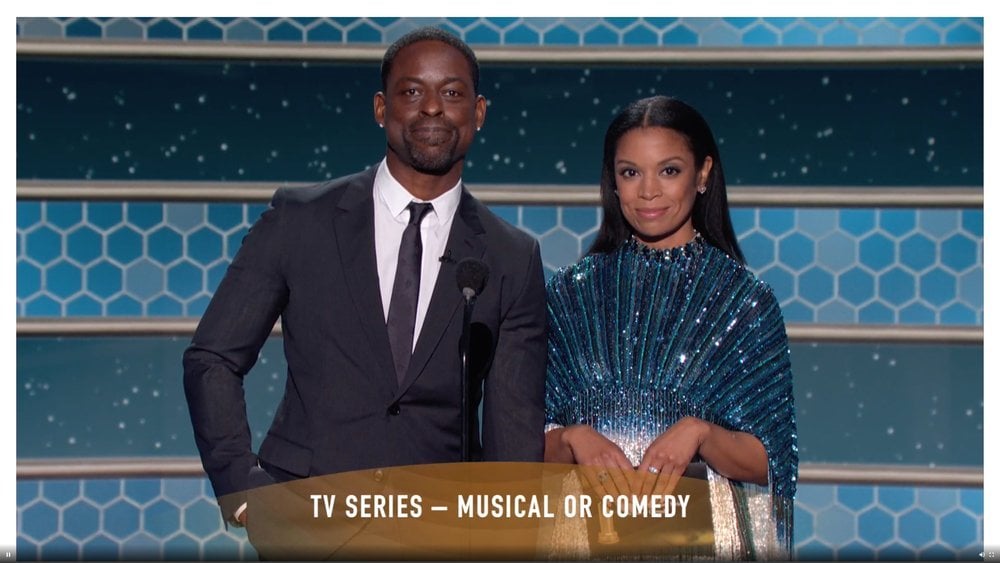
561 300
757 394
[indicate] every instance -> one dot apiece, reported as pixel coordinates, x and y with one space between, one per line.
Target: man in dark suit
345 264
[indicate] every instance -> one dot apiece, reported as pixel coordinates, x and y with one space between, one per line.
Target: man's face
430 111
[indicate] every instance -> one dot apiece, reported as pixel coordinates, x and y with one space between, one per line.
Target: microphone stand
471 275
463 347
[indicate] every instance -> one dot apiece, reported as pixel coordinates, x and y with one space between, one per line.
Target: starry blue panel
877 403
245 120
124 399
119 396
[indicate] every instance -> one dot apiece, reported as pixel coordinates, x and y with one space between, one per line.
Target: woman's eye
627 172
671 171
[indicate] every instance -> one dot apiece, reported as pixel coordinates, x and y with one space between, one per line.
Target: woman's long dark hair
710 215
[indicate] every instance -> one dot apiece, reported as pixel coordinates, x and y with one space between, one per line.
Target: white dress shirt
391 218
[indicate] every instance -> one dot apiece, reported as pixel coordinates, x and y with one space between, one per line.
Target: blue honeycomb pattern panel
595 32
178 518
124 519
846 266
868 266
864 522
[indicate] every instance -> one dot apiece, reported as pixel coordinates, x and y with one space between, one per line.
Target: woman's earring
381 125
702 189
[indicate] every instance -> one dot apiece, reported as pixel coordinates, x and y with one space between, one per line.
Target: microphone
471 275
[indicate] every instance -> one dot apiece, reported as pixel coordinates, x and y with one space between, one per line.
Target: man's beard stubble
436 160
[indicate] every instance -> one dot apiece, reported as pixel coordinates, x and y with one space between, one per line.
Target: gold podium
468 511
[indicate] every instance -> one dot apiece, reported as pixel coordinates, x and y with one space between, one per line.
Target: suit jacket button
394 409
378 475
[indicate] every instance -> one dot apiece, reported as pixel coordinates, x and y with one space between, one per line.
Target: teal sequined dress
639 338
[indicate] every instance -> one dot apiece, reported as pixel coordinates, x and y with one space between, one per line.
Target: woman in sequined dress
664 349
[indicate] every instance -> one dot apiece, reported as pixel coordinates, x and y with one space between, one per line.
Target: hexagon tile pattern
177 518
112 519
876 266
863 522
601 32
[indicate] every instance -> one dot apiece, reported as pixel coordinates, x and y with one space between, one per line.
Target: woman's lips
651 213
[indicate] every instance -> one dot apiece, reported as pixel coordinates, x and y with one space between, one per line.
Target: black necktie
403 304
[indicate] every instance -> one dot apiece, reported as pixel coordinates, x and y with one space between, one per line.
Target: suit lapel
465 240
354 224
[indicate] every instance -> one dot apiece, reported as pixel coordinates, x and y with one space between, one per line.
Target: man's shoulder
330 190
499 228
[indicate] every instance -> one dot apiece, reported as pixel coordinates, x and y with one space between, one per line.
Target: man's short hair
429 34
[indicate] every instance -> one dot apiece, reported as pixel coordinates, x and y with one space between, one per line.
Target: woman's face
657 182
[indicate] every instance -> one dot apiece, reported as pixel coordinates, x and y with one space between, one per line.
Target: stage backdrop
116 121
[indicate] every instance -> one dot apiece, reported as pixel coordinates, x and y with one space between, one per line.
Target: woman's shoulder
578 273
748 293
737 271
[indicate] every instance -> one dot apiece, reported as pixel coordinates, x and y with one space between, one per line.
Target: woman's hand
668 456
602 462
736 455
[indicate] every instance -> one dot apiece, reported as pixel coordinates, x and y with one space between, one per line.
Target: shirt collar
396 197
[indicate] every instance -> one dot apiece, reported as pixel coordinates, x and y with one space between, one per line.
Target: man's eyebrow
447 79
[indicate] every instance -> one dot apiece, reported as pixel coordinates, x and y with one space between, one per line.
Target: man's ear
379 108
480 111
